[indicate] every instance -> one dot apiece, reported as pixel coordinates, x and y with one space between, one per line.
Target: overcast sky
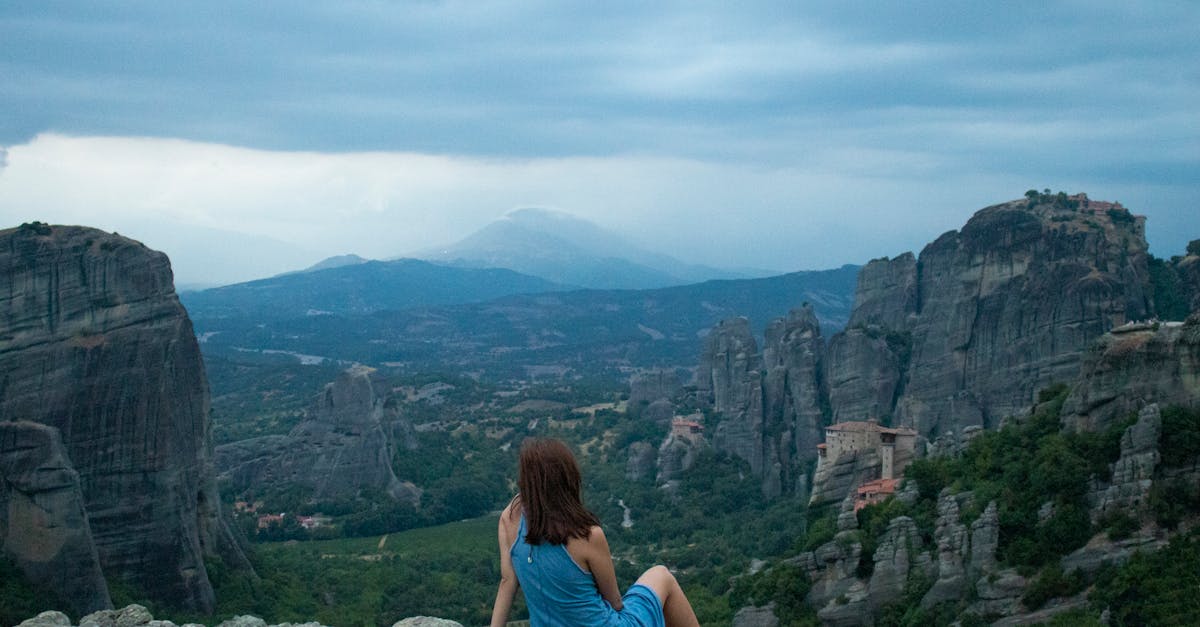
249 138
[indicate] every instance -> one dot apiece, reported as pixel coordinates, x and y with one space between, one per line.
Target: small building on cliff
688 428
891 444
862 453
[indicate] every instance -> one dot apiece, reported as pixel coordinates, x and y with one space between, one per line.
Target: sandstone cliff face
961 565
730 378
1009 304
773 405
1134 365
868 361
1188 269
987 315
43 526
887 293
795 394
641 461
339 450
94 343
1133 473
653 385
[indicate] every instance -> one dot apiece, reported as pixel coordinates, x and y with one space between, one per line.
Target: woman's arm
508 579
599 561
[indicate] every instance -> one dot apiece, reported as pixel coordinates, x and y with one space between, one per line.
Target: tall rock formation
868 361
339 450
94 343
679 450
887 293
966 335
1188 270
1176 284
797 400
1133 365
730 378
43 526
773 405
1133 473
653 385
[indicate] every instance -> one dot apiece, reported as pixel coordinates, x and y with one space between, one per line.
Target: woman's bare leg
676 608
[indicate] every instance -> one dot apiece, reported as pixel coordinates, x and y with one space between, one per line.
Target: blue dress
559 593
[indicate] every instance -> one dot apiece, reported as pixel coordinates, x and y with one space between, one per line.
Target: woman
553 548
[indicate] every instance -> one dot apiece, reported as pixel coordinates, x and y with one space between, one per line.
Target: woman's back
557 590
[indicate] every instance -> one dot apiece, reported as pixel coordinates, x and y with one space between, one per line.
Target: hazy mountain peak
565 248
336 261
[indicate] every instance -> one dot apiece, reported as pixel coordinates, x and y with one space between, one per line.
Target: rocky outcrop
426 621
677 454
837 479
1188 270
641 461
1102 550
868 361
730 379
1133 365
865 371
339 450
953 545
94 343
838 595
139 616
756 617
1133 473
43 525
960 566
653 385
966 334
795 395
899 551
985 539
887 295
773 405
1176 284
999 594
1009 304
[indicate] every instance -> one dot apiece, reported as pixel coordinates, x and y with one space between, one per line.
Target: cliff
340 449
1009 304
948 343
43 526
772 404
94 344
730 379
1133 365
968 332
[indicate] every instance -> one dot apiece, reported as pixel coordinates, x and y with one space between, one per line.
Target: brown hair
549 484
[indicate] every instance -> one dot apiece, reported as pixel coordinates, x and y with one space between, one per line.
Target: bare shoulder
596 536
509 519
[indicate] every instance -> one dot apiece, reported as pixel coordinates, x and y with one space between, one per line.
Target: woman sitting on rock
553 548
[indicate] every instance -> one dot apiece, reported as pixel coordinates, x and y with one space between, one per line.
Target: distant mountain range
507 297
585 331
353 287
565 249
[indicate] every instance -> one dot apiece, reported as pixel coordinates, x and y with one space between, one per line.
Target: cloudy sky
249 138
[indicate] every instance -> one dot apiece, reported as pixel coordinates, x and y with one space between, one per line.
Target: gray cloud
949 104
